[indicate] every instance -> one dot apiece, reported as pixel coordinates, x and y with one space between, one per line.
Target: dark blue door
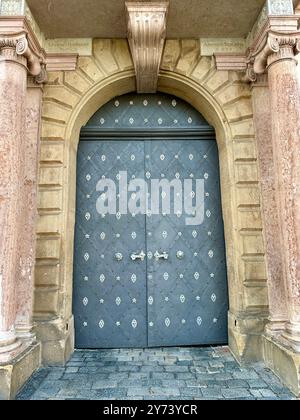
109 288
150 279
187 293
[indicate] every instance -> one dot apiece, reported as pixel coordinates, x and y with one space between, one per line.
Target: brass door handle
138 256
163 256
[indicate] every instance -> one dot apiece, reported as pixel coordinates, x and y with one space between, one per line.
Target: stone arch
70 99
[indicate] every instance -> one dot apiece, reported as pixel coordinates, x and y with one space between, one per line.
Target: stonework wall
70 99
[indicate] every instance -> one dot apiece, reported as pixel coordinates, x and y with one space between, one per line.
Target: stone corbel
61 61
146 35
230 61
42 77
18 44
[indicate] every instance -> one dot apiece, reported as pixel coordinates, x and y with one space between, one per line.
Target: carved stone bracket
146 35
250 76
61 62
16 45
230 61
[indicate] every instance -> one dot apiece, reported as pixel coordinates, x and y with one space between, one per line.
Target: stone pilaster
27 235
285 108
273 46
276 55
271 226
16 60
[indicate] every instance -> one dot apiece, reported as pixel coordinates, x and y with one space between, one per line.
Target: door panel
187 298
109 295
169 302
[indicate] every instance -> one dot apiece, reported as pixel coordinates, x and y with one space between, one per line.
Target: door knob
138 256
163 256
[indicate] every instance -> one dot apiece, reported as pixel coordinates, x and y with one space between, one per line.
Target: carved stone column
274 43
25 277
271 226
16 59
285 108
278 56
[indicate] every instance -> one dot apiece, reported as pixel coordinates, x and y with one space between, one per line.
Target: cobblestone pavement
167 373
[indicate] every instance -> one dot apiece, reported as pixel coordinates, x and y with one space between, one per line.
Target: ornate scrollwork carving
273 43
42 76
16 45
250 76
277 46
279 40
21 46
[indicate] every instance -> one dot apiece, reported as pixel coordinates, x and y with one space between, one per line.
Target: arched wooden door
153 279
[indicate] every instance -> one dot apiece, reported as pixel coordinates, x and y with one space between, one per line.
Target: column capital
16 45
277 46
274 37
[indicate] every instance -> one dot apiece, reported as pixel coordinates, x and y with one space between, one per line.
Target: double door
153 279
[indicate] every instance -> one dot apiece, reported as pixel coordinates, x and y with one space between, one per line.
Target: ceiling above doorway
106 18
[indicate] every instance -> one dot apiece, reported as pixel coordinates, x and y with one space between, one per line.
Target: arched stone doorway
150 266
70 100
